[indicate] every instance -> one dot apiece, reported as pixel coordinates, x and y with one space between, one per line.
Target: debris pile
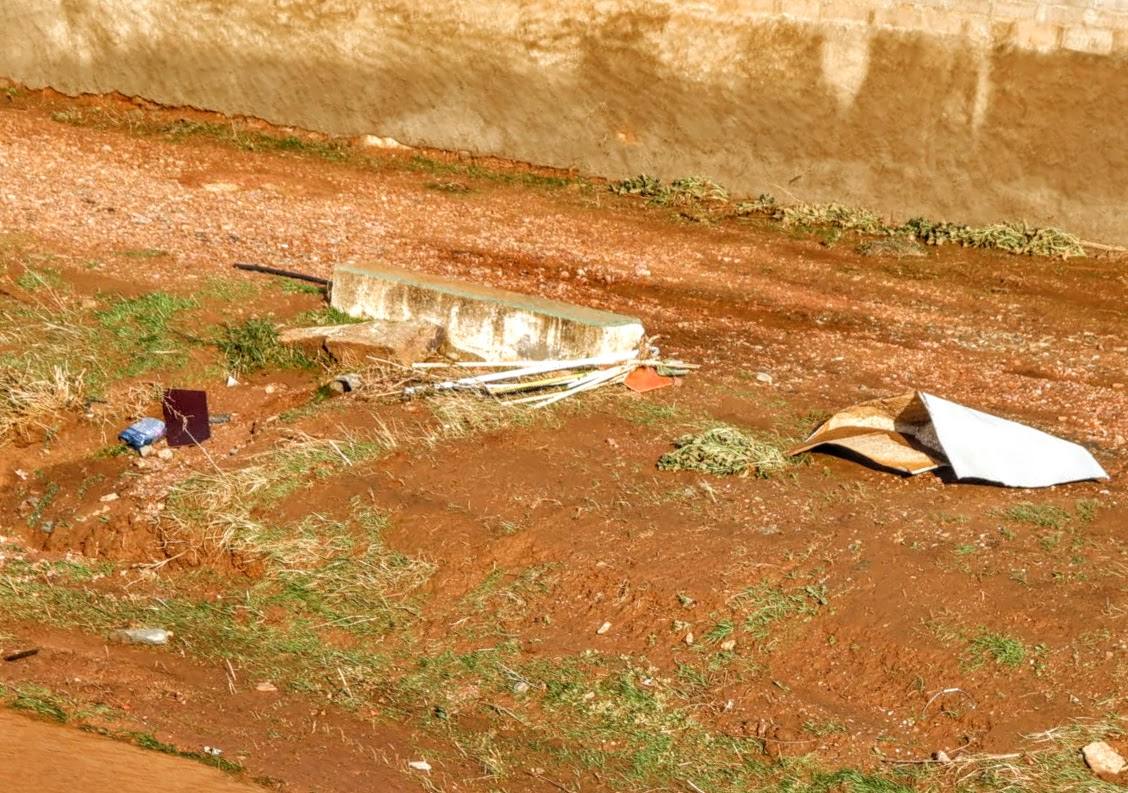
542 383
724 451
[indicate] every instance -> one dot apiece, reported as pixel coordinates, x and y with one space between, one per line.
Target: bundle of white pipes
560 378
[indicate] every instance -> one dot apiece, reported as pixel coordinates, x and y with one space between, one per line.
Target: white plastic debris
151 636
917 432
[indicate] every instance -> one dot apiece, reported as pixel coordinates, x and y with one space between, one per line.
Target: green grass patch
141 335
253 345
1046 516
764 606
998 648
324 316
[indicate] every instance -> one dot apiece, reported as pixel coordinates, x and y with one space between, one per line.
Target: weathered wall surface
973 110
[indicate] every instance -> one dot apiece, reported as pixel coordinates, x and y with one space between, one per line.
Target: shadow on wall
906 123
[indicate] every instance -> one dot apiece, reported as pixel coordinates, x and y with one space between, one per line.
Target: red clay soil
80 761
1037 340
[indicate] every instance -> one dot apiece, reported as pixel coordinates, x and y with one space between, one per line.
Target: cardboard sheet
917 432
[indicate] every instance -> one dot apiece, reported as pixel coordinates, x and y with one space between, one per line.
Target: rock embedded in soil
402 342
1103 759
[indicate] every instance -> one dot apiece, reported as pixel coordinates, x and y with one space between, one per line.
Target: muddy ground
359 583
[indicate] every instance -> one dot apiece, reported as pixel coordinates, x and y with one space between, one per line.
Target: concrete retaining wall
973 110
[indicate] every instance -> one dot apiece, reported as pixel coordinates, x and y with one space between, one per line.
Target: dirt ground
875 619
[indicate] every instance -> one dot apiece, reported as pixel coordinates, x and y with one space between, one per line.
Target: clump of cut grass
254 345
1015 237
724 451
1003 650
686 192
836 216
1046 516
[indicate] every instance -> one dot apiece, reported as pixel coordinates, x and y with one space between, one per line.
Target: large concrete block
490 323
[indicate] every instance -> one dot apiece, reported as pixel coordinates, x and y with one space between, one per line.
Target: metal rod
261 268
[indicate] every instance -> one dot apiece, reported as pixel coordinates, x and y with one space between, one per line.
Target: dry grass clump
32 396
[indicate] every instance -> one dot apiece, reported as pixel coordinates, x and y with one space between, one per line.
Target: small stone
941 757
109 497
231 381
165 454
214 751
268 389
1103 759
688 638
266 686
764 377
604 628
520 687
420 765
728 645
145 451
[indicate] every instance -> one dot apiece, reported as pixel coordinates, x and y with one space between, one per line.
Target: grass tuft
254 345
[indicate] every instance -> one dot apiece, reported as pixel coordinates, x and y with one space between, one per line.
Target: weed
1004 650
821 729
647 413
324 316
32 280
254 345
140 331
764 605
143 253
1086 509
1046 516
291 286
724 451
145 740
38 700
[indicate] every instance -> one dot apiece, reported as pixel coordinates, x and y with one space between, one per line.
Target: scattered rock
214 751
345 383
109 497
378 142
402 342
728 645
688 638
420 765
520 687
764 377
941 757
165 454
269 389
231 381
1103 759
266 686
604 628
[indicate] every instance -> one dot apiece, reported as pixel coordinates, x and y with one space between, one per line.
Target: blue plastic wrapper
142 433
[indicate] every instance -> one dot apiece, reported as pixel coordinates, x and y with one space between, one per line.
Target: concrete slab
490 323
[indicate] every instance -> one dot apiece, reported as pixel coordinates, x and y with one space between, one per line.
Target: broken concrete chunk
1103 759
491 323
917 432
402 342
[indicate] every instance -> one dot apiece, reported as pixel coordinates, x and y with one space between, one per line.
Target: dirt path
38 756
